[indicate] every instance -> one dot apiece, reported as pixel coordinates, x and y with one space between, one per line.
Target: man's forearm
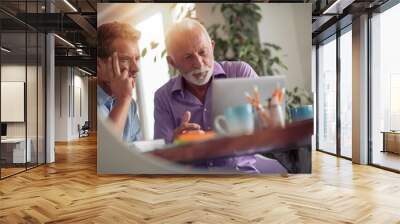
119 114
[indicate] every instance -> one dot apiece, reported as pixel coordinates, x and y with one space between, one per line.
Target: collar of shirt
102 96
218 72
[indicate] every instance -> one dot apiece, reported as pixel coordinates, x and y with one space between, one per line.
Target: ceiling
73 20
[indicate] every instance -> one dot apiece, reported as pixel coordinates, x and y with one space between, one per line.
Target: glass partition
13 105
22 88
327 96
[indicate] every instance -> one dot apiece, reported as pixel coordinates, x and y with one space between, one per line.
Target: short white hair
179 28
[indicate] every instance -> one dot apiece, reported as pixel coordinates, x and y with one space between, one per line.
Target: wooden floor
5 172
70 191
387 159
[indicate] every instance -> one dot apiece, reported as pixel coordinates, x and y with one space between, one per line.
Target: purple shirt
172 100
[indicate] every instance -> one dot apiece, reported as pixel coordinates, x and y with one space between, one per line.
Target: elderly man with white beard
183 104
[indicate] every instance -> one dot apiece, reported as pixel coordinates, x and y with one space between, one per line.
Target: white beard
201 80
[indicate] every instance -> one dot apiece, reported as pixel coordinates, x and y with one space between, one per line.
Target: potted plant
238 39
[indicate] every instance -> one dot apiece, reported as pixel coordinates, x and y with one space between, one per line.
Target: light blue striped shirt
132 126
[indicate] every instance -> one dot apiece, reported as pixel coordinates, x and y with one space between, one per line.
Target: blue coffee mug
302 113
237 120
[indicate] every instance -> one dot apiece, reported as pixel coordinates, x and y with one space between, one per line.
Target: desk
391 141
296 136
13 150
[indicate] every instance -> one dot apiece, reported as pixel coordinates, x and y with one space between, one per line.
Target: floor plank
70 191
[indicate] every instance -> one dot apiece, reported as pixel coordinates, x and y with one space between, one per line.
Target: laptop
231 91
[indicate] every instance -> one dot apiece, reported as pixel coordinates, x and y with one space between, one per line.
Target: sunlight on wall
153 73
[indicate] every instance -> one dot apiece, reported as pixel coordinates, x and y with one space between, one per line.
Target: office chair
84 130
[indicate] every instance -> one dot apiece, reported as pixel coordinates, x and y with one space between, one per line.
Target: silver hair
184 25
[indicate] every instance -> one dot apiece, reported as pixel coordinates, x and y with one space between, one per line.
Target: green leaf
273 46
153 45
144 52
163 53
238 38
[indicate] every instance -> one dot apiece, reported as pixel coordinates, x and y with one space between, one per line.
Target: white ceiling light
70 5
338 6
333 6
5 50
65 41
86 72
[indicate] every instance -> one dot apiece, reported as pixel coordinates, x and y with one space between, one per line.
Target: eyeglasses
126 62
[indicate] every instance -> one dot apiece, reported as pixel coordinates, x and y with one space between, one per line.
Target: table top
391 132
268 140
13 140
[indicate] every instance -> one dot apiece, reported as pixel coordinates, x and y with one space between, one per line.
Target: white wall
61 104
14 73
287 25
80 83
68 83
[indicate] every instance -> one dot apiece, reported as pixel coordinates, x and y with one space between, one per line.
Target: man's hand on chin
121 84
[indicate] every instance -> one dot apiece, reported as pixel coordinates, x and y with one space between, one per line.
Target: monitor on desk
231 92
3 130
